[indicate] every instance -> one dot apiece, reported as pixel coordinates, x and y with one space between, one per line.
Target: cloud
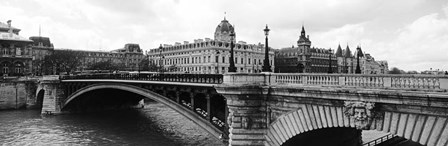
388 30
423 44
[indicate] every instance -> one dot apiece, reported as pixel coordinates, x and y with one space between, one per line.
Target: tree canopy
396 70
63 61
106 65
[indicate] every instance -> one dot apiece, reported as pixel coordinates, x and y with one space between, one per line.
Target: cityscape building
347 62
15 51
211 56
128 57
41 47
304 58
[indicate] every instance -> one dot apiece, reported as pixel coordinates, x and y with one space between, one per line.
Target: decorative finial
39 31
225 15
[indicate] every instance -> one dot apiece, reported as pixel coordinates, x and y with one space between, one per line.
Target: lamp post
160 59
358 68
232 67
217 61
266 65
329 65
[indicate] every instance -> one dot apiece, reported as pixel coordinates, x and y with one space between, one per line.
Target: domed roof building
223 31
211 56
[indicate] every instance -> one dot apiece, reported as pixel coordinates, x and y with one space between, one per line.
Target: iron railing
165 77
379 140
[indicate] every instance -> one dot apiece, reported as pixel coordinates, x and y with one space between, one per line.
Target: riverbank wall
18 93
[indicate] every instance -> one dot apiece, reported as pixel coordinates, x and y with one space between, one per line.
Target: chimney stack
10 28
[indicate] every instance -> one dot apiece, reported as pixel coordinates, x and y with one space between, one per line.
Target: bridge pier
53 93
246 118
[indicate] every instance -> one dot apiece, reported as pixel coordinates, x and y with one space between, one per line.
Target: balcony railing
166 77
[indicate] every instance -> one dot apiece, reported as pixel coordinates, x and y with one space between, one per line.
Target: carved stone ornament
360 112
246 122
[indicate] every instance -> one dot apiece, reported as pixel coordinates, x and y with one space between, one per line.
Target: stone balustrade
384 81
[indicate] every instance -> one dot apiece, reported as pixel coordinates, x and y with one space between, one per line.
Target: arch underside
209 127
424 129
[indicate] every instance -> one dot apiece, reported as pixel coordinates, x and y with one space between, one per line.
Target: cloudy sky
409 34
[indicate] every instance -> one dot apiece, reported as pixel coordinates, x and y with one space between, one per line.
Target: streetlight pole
266 65
358 68
217 61
160 59
232 67
329 67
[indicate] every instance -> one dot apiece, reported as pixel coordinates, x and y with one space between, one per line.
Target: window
223 59
242 60
5 69
217 59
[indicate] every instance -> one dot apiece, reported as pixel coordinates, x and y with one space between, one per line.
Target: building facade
211 56
304 58
129 57
41 47
347 62
15 51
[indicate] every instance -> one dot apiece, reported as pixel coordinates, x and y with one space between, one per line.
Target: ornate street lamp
160 59
329 67
217 61
232 67
358 54
266 65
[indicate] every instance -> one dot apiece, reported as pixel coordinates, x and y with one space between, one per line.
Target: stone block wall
17 94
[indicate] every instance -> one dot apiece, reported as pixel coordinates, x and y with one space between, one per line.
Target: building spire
303 30
39 31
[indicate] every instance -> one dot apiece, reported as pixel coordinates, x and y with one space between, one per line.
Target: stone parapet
384 81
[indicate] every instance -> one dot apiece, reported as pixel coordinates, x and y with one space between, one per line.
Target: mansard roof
4 28
5 36
44 40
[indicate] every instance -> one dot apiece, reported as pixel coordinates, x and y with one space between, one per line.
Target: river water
155 125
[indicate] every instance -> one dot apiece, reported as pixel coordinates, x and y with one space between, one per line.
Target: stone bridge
272 108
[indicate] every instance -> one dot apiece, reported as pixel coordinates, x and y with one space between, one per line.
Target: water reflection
154 125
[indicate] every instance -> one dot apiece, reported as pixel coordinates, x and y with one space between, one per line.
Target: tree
106 65
412 72
144 64
63 61
395 70
172 68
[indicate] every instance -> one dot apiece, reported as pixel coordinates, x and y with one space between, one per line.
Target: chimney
10 28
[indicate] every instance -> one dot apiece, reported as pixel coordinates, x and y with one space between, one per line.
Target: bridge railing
411 82
166 77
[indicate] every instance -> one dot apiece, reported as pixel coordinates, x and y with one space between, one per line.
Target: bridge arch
150 95
428 130
40 98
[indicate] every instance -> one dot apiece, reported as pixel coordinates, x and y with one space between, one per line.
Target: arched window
5 68
18 68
